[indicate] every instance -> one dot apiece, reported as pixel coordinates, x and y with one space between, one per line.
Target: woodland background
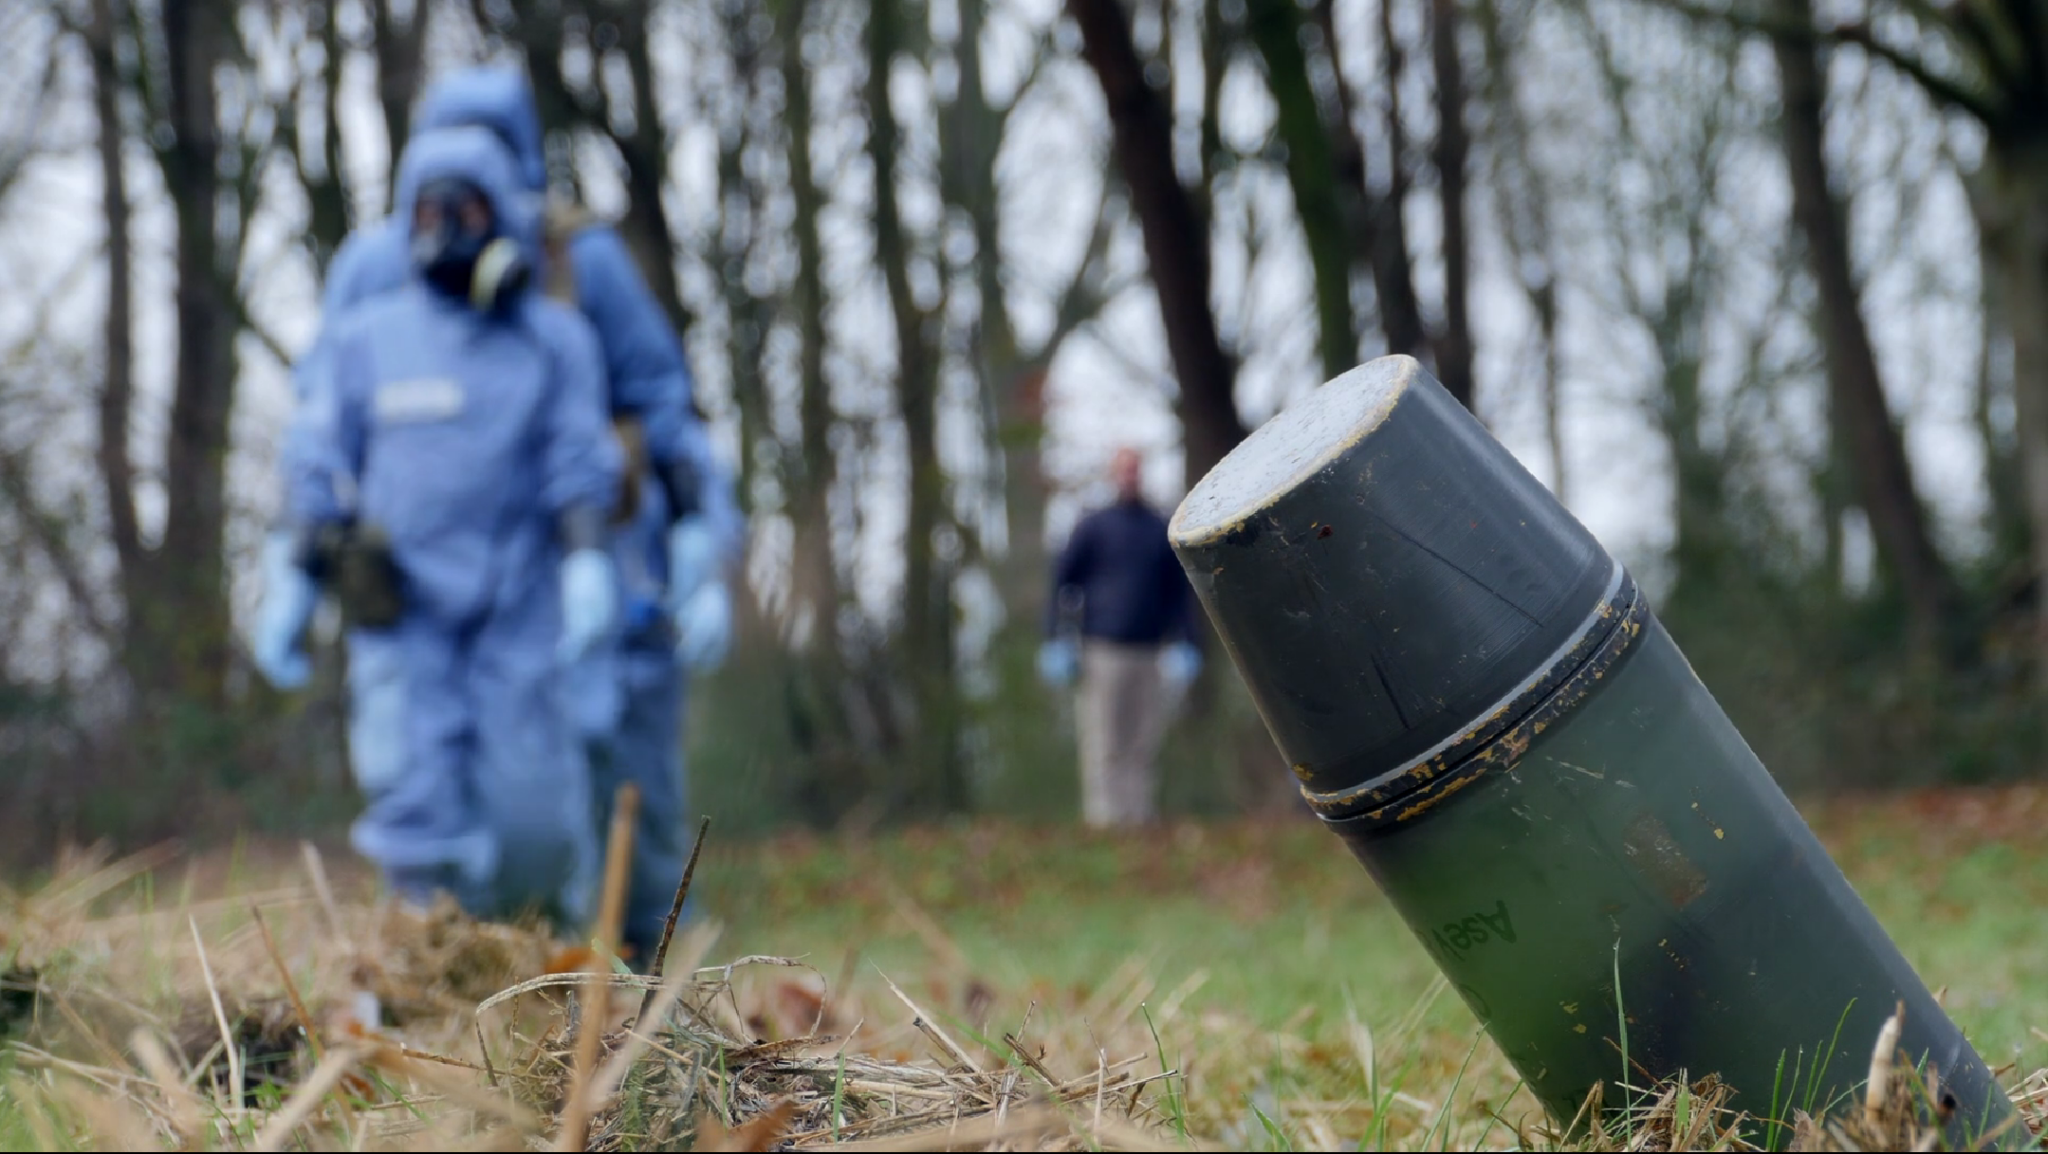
1759 288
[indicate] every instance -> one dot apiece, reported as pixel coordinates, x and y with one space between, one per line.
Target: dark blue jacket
1131 585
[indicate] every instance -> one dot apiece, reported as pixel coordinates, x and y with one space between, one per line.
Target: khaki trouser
1122 715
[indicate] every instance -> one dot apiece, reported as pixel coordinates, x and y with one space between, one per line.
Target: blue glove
1180 665
692 558
289 598
699 603
590 602
1058 662
704 627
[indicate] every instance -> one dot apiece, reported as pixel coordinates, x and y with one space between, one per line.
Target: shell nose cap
1384 573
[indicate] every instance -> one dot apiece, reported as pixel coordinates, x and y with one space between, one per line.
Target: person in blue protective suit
675 532
453 454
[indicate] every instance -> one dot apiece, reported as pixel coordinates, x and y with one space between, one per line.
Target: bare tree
1391 255
1983 59
815 579
1522 196
179 626
117 389
1873 447
398 30
1277 28
748 317
936 780
1011 373
1176 235
319 161
1454 343
644 147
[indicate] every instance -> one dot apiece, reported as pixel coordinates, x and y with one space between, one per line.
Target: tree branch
47 530
1942 89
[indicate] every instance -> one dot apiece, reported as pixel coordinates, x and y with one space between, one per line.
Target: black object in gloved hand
582 527
354 559
682 485
632 438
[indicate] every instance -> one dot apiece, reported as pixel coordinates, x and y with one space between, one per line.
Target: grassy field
1255 961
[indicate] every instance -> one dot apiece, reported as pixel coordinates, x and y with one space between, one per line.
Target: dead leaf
763 1132
574 960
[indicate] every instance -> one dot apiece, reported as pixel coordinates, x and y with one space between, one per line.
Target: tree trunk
1523 202
646 155
1013 381
1176 236
936 783
814 579
1363 215
319 162
186 651
1700 544
1393 266
1876 453
2008 515
2012 208
1543 295
401 54
1454 344
117 390
1276 29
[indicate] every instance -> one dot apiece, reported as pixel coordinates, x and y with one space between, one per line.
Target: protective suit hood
478 156
496 98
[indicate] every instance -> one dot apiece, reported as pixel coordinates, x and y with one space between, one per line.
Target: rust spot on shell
1649 849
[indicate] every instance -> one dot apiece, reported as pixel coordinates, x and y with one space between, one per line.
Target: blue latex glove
1058 662
289 599
590 602
692 558
704 627
1180 665
699 603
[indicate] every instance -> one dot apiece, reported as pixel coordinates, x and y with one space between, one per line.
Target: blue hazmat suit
470 438
628 697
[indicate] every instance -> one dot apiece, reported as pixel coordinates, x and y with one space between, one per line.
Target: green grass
1270 926
1258 961
1279 920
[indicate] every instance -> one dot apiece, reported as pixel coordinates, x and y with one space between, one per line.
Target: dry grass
238 1024
244 1032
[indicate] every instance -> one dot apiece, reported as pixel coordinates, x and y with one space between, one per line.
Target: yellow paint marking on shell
1435 799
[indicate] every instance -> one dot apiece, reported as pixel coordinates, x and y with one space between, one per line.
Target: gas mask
459 246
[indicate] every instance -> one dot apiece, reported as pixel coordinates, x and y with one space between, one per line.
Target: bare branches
36 81
117 389
1942 89
47 530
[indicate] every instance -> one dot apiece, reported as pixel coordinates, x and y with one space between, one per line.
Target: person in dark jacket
1137 648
